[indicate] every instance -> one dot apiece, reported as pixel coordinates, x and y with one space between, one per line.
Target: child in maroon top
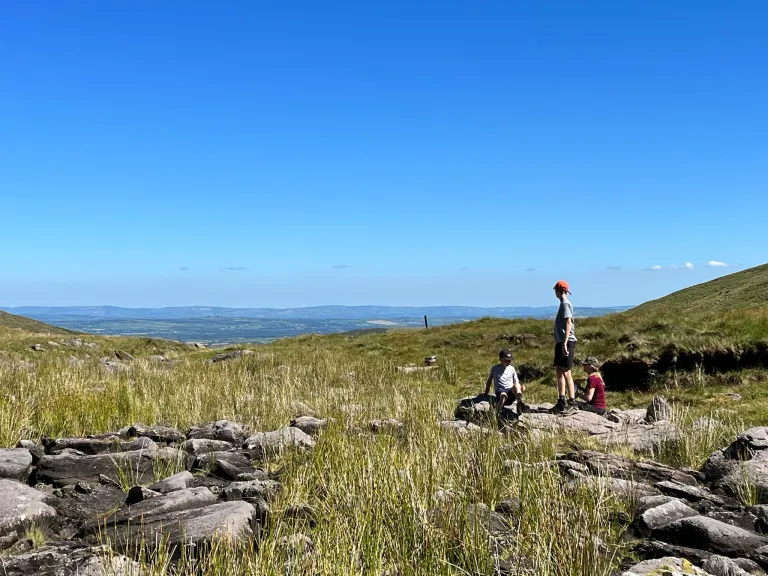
594 393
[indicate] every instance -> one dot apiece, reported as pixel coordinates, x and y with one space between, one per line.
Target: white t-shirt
504 377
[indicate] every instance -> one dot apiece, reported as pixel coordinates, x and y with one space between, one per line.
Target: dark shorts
561 360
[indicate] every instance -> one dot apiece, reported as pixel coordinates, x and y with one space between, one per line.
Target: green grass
13 322
378 497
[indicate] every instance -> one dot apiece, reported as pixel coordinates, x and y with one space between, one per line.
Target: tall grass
404 504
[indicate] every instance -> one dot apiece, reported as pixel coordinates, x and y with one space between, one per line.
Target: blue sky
300 153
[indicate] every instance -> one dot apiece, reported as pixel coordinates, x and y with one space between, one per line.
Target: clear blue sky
297 153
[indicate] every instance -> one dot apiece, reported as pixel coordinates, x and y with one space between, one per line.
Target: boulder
69 561
460 426
659 516
634 416
139 494
15 463
722 566
198 447
605 464
388 426
658 410
690 493
712 535
20 504
476 409
198 526
744 462
226 465
180 481
78 503
71 467
123 355
232 355
265 490
643 438
225 430
309 424
164 434
300 409
93 446
265 444
668 566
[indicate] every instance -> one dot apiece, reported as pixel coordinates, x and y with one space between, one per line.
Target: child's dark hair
505 354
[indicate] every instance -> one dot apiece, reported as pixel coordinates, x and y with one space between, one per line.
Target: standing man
565 346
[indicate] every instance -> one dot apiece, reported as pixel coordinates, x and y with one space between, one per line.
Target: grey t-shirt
504 377
565 311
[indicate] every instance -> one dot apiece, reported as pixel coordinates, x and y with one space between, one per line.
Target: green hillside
745 289
28 325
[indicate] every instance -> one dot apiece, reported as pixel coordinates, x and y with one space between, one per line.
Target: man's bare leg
571 387
561 381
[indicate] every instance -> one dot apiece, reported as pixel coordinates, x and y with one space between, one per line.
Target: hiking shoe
571 408
559 408
522 408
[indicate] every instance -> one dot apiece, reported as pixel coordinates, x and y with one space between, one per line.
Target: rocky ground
98 498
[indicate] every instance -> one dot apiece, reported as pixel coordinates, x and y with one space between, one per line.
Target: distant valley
221 326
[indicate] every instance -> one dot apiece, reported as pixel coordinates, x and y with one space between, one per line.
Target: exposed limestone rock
15 463
20 504
265 444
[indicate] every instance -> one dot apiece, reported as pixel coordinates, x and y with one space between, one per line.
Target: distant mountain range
55 314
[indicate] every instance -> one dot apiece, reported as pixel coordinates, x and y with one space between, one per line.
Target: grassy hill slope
28 325
745 289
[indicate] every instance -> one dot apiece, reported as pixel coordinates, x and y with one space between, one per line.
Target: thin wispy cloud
688 266
614 268
233 268
717 264
184 268
341 266
530 269
655 268
464 269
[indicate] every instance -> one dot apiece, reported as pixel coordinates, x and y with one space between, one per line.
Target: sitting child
506 384
594 393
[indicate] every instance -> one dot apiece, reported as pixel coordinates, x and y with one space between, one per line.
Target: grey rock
647 502
226 465
606 464
744 461
658 410
309 424
265 490
198 447
69 561
712 535
20 504
634 416
164 434
224 430
94 445
123 355
192 526
460 426
180 481
749 566
70 468
722 566
618 486
663 515
53 344
667 566
388 426
300 409
15 463
199 345
278 441
37 347
643 438
232 355
691 493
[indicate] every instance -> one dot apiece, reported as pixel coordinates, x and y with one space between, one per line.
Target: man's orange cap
563 285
